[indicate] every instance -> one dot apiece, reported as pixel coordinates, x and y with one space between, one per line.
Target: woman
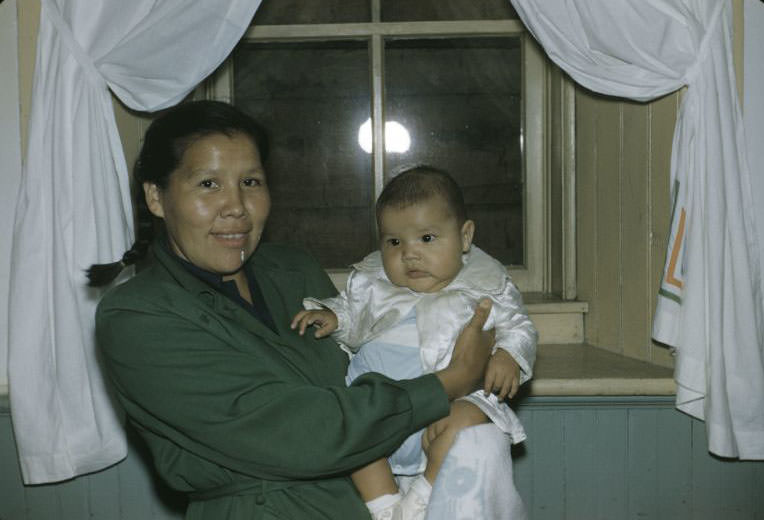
249 418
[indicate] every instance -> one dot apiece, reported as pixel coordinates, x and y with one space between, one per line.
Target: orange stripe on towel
670 278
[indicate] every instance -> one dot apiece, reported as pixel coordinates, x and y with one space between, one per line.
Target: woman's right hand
464 374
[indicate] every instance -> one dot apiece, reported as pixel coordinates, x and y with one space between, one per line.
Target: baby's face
422 244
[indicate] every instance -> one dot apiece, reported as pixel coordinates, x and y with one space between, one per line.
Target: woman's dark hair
164 144
414 184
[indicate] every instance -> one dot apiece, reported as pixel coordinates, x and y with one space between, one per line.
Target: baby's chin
423 285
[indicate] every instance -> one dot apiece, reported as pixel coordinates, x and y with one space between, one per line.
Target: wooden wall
585 458
623 152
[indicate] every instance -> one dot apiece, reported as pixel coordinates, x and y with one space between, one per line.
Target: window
350 91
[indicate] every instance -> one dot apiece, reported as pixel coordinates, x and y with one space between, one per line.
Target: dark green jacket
252 424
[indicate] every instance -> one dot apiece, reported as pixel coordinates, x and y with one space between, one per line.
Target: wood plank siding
585 458
623 152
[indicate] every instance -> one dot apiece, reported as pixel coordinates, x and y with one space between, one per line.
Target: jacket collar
211 297
480 271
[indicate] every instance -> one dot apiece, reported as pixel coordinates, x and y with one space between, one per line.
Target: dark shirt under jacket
257 308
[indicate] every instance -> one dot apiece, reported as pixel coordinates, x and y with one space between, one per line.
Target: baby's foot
386 507
390 513
414 503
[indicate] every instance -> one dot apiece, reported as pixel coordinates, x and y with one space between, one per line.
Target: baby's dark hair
414 184
164 144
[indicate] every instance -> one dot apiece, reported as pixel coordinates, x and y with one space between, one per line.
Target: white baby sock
414 503
386 507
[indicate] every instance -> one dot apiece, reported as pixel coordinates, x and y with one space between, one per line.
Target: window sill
584 370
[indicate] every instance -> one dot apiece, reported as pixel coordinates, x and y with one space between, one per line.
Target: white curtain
753 103
74 205
710 302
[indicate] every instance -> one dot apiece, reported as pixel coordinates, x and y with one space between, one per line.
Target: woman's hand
465 372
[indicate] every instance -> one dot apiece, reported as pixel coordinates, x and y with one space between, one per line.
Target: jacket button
260 500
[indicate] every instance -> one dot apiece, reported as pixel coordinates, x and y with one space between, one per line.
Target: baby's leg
440 435
436 441
375 480
377 487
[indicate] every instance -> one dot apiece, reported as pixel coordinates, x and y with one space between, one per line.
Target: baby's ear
468 231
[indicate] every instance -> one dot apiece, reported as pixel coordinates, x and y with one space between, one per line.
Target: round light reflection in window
397 138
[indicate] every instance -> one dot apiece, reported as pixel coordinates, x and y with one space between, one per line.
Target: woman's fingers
473 337
466 370
481 314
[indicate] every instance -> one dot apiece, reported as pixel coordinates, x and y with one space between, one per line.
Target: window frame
547 133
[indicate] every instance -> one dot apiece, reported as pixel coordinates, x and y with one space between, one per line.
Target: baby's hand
502 376
324 318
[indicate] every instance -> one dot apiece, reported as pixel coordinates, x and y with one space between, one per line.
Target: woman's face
215 203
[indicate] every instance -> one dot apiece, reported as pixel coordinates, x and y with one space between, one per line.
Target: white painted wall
753 105
10 163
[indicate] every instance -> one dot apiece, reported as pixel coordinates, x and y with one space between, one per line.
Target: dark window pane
421 10
459 100
287 12
312 98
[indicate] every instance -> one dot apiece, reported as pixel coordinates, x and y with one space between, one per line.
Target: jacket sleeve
247 408
515 332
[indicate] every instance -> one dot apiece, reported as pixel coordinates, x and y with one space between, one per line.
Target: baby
400 314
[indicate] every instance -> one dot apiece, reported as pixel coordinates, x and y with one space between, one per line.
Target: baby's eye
207 183
393 242
252 182
428 238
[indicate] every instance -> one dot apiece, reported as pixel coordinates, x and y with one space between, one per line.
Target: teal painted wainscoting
585 458
628 458
125 491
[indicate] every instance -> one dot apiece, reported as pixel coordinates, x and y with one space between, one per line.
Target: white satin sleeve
515 332
341 307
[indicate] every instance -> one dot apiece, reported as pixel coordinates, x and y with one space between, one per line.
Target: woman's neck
242 284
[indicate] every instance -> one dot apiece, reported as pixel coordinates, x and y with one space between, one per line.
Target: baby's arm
516 337
346 308
325 319
340 316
